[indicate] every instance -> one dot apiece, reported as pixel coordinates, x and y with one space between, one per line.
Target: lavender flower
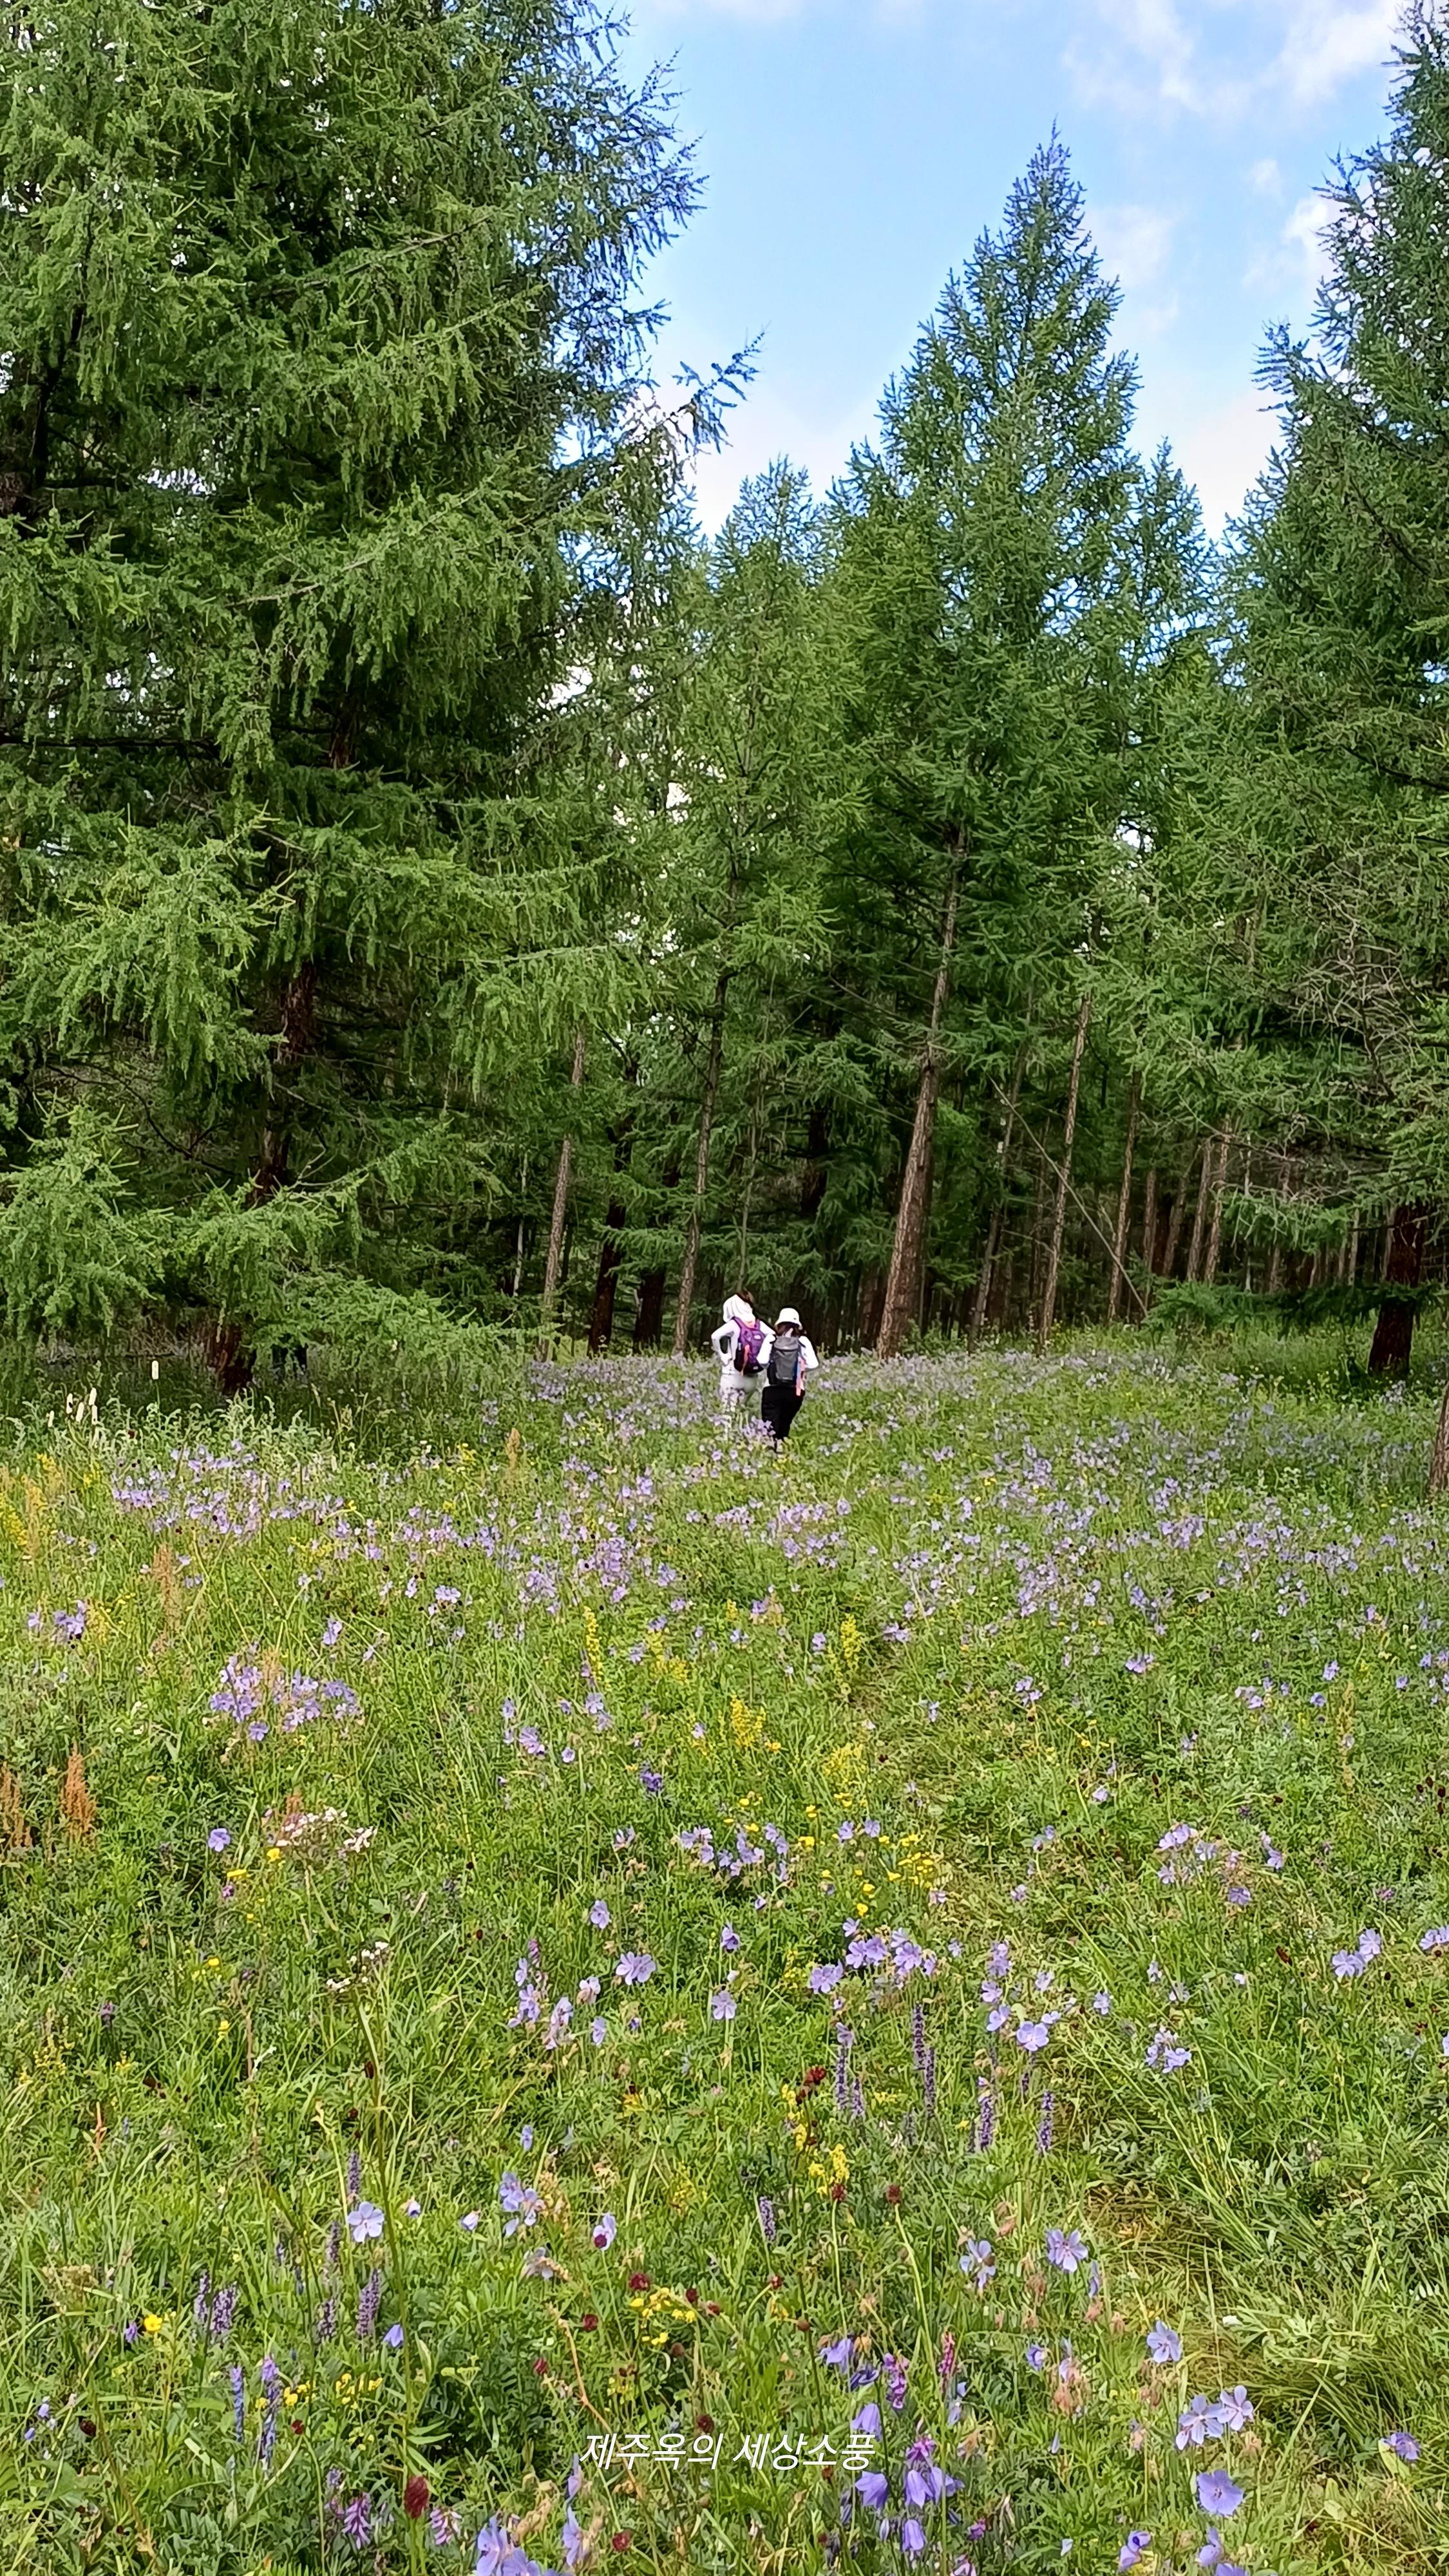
238 2400
368 2306
271 2403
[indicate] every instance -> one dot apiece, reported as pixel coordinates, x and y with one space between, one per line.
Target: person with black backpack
788 1357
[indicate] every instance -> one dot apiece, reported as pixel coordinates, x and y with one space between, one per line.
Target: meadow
585 1994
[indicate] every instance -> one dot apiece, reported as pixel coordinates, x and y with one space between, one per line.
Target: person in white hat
787 1359
738 1345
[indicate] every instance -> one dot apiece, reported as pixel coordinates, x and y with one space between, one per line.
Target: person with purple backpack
737 1344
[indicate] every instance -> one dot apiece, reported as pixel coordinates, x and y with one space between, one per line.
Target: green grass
1025 1619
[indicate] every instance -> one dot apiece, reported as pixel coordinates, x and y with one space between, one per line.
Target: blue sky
853 149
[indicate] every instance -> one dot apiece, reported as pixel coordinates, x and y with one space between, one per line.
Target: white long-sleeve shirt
724 1341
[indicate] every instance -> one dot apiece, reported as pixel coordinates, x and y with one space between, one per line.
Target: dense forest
443 894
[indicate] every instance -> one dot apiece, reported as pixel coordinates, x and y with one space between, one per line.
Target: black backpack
785 1362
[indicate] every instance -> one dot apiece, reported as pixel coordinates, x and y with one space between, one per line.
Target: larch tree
739 896
978 542
1314 918
321 362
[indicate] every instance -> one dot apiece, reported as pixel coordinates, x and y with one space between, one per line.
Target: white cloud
1298 260
1224 451
1266 179
1135 243
1326 43
1141 53
765 427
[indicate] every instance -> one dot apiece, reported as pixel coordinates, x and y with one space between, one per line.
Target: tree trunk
908 1249
977 1324
230 1354
521 1234
606 1281
1174 1222
1199 1217
1149 1231
1394 1332
713 1065
554 1262
1215 1229
1124 1200
650 1313
1064 1177
1439 1454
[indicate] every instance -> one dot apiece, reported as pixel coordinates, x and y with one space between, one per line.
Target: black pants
778 1408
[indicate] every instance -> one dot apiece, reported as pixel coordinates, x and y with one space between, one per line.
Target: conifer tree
320 353
1316 919
978 551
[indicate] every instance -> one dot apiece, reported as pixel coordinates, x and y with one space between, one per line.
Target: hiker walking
738 1344
788 1356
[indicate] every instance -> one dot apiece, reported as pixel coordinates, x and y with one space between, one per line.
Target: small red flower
620 2540
417 2496
639 2281
837 2191
893 2194
704 2423
693 2297
540 2368
588 2324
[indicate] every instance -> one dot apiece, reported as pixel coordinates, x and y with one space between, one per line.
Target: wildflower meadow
591 1994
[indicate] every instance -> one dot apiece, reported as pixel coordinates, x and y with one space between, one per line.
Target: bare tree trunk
554 1262
1215 1229
518 1240
1124 1200
993 1232
606 1281
1350 1269
1174 1222
1064 1177
1394 1332
1439 1454
1199 1219
650 1314
1149 1231
908 1249
713 1064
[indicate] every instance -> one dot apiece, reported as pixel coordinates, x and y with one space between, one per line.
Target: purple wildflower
271 2403
1065 2252
368 2306
1216 2492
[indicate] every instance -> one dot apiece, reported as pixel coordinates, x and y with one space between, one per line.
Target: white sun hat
787 1315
